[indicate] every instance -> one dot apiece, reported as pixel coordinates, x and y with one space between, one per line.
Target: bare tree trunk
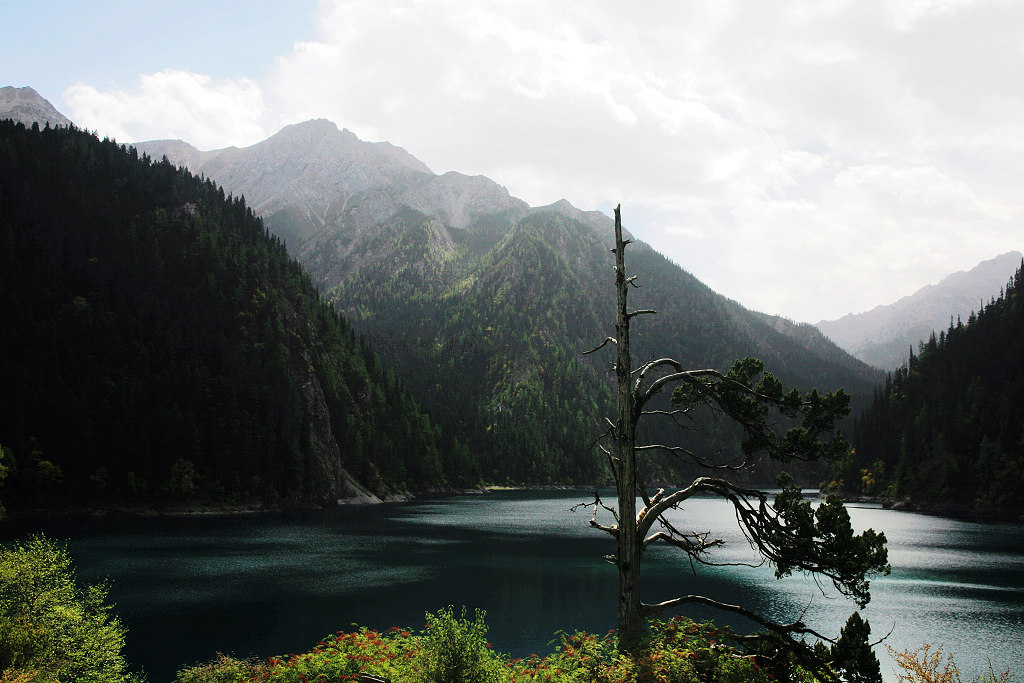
630 621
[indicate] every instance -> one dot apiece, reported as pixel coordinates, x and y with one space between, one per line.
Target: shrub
675 651
927 665
51 628
457 650
223 669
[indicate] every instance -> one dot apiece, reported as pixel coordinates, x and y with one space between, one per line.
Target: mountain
945 429
26 106
486 304
161 347
883 336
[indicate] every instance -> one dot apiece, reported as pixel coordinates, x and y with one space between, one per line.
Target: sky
808 159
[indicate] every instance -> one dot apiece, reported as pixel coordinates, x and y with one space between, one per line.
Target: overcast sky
805 158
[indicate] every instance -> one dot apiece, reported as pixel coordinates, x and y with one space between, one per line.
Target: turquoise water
188 587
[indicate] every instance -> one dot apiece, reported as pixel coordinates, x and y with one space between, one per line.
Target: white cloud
809 159
174 104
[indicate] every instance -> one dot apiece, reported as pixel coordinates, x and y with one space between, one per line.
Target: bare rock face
883 336
27 106
311 164
459 199
328 194
313 169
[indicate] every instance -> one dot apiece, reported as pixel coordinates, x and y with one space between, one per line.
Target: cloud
174 104
810 159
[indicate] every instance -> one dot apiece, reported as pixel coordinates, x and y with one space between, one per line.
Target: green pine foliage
494 361
160 346
945 429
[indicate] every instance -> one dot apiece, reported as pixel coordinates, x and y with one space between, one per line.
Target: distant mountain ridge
484 304
883 336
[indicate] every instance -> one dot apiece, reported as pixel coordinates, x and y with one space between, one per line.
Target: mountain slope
160 346
26 106
883 336
300 178
486 304
945 430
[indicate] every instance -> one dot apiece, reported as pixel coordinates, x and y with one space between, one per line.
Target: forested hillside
485 305
947 428
158 345
491 338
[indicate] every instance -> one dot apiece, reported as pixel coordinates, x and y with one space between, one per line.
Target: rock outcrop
27 106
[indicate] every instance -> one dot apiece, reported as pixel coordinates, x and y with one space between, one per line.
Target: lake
188 587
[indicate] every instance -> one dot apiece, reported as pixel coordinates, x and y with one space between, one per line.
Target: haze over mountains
883 336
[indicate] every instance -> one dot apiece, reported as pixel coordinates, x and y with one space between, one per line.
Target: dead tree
786 531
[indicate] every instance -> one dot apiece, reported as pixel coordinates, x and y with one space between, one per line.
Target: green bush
674 651
52 628
223 669
457 650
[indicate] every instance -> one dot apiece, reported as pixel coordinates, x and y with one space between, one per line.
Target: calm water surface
189 587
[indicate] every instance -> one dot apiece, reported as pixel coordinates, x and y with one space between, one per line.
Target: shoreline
955 510
200 509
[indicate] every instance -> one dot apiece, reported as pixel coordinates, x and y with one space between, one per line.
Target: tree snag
786 531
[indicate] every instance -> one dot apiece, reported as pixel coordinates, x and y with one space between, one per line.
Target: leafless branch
782 629
605 343
703 461
597 505
642 311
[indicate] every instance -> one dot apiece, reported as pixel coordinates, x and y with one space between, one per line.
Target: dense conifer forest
159 345
946 430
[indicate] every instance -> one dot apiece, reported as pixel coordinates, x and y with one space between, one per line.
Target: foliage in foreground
52 629
454 649
930 665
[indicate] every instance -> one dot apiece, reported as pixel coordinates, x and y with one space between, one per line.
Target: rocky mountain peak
600 222
320 139
309 166
27 106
